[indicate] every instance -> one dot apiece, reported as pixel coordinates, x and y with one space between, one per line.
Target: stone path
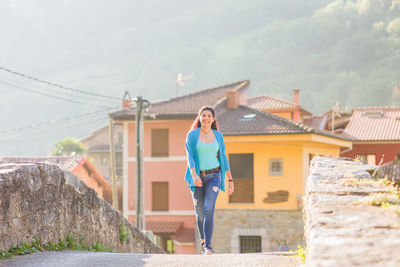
85 258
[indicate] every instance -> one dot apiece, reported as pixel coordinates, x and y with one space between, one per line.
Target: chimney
233 99
296 100
243 97
296 96
126 101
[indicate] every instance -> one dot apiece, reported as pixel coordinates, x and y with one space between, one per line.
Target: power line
57 85
46 90
34 125
46 94
49 130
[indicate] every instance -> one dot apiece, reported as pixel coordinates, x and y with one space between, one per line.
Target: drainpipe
347 150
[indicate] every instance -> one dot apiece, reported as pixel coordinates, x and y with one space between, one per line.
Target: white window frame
270 171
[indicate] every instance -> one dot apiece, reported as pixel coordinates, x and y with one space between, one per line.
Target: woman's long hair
197 124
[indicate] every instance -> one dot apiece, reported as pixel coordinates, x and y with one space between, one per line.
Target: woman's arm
192 162
228 174
231 186
196 178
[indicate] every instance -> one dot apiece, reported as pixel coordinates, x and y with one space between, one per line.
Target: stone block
341 228
42 201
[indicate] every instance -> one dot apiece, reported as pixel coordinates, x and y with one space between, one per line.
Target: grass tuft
301 252
384 199
35 246
124 233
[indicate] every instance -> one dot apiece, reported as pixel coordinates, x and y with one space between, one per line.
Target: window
160 199
276 167
120 138
118 159
371 159
159 142
373 113
242 171
368 158
104 160
250 244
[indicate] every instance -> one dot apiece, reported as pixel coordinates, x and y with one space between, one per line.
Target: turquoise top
191 142
208 155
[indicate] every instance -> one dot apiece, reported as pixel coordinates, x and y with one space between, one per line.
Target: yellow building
269 158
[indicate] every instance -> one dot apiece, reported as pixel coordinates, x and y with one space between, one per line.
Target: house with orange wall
169 209
78 165
259 140
269 157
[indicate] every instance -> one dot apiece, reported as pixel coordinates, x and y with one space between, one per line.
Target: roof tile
374 124
187 104
269 103
247 121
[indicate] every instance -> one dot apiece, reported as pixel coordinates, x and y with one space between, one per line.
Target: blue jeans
204 202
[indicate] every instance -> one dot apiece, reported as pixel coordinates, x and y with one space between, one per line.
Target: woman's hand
197 181
231 188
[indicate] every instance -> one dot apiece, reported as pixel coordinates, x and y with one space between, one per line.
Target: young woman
206 171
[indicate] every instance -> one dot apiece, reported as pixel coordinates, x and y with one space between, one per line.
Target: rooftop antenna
395 95
335 111
180 79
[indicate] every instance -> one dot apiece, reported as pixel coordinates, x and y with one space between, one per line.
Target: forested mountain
332 50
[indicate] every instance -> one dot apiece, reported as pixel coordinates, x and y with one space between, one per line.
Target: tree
68 147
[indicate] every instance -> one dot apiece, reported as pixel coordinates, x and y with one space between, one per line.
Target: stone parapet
341 227
273 226
42 201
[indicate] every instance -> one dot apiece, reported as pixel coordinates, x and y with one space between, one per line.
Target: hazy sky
108 47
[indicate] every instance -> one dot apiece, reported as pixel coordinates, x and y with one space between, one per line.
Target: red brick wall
389 150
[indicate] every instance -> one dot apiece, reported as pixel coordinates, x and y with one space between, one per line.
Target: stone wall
42 201
341 227
274 226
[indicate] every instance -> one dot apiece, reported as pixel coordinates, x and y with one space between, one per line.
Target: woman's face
206 118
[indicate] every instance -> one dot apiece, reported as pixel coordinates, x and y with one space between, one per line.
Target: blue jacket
192 158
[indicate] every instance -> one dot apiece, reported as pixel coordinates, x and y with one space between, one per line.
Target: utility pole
112 163
140 105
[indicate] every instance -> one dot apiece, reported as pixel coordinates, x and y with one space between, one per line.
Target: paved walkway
84 258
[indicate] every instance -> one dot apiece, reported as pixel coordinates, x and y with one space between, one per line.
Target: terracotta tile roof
247 121
65 163
187 104
269 102
265 102
105 148
164 227
185 235
317 122
374 124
